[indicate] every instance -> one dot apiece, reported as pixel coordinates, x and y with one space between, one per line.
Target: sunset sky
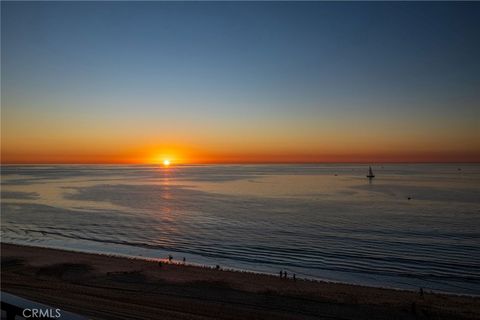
129 82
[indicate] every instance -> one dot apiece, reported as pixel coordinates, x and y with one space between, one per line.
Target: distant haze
235 82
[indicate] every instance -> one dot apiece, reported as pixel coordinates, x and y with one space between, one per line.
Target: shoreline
68 279
234 269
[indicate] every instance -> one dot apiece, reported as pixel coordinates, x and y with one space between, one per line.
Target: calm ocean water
318 221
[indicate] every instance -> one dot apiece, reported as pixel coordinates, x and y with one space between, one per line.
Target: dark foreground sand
105 287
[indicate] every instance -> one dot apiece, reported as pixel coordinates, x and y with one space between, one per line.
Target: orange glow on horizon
167 155
210 143
167 159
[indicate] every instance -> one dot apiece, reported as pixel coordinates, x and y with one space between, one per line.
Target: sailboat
370 174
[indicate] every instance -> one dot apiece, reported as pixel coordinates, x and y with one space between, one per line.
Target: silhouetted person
170 258
294 277
421 292
184 260
281 273
160 264
285 274
217 267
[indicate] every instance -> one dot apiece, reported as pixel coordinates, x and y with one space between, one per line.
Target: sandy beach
107 287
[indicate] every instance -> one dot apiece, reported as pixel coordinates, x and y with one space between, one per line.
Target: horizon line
238 163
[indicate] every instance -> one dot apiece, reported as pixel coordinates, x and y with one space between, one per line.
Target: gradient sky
240 82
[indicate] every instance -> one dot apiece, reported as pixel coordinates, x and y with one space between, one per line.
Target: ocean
412 226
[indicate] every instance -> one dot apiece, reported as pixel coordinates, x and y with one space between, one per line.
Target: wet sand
107 287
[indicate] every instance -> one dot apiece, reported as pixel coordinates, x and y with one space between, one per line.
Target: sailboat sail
370 173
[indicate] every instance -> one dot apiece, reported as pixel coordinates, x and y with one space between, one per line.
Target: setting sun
166 162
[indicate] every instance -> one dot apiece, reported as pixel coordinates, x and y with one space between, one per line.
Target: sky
240 82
